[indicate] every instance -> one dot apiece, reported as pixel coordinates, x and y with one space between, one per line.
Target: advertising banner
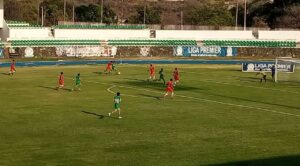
266 66
189 51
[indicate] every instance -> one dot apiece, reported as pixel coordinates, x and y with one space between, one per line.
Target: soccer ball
119 73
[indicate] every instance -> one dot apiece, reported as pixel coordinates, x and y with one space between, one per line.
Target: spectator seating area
21 24
250 43
54 42
152 42
99 27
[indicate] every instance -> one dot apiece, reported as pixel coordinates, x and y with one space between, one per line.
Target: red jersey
61 80
108 67
176 75
170 86
12 66
152 69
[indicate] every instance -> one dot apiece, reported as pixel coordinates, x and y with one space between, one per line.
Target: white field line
249 86
202 99
112 92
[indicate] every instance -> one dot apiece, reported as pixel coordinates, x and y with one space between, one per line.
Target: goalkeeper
263 76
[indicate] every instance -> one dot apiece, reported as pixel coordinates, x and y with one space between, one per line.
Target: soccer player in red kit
109 67
61 81
12 67
152 72
176 76
170 88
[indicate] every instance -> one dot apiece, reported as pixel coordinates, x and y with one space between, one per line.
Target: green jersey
161 74
117 101
77 80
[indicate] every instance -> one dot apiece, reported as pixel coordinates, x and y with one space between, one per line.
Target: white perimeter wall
279 35
102 34
15 33
202 35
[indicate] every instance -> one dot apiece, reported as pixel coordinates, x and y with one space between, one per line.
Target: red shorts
176 78
12 69
169 89
61 83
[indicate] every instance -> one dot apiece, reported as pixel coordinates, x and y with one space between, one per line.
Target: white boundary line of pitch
248 86
196 98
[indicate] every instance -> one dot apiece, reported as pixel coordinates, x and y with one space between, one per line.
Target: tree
92 13
54 11
153 15
20 10
215 14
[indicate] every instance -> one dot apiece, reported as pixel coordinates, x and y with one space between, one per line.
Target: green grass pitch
219 116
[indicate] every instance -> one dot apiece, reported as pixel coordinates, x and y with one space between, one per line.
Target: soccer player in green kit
77 82
161 76
117 102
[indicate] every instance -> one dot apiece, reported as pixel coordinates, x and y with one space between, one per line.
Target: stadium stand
152 42
250 43
99 27
53 42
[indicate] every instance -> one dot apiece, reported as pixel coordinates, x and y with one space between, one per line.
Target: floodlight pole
245 16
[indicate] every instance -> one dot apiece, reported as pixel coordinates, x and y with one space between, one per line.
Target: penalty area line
202 99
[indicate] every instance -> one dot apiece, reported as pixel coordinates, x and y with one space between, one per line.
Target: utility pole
65 6
245 16
181 15
236 14
101 11
145 12
73 11
122 15
42 15
38 11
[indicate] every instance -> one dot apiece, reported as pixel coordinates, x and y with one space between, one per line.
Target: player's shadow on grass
151 96
275 161
55 88
94 114
99 73
157 85
7 74
249 100
98 115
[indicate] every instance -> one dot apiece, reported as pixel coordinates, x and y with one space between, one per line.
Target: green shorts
117 106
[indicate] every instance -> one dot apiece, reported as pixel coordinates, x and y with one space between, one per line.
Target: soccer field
219 116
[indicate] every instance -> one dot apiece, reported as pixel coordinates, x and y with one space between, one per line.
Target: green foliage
216 14
279 14
153 15
20 10
92 13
